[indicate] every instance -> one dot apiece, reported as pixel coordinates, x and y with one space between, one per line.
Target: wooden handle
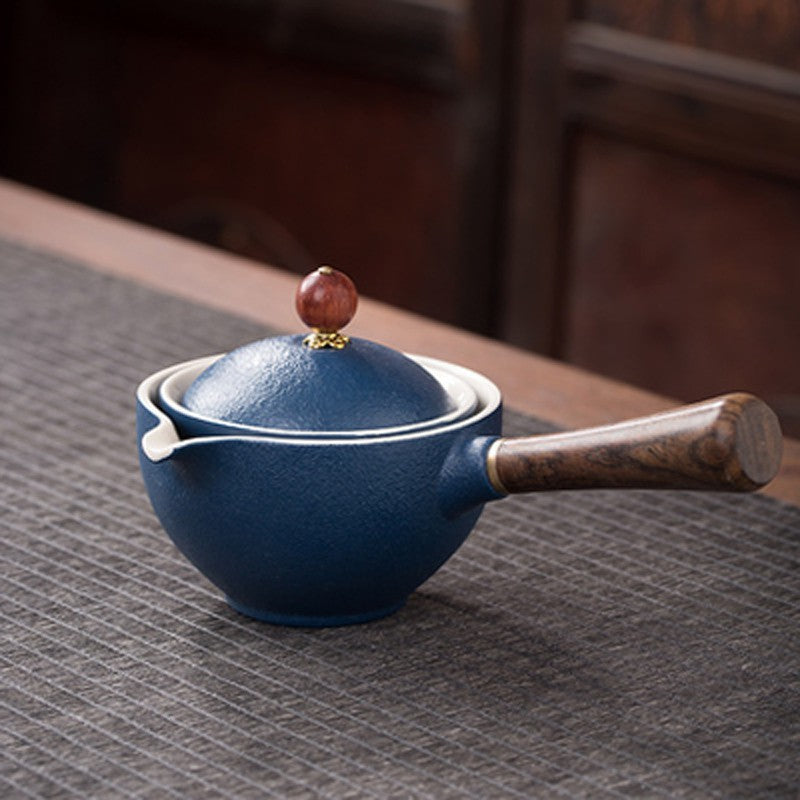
729 443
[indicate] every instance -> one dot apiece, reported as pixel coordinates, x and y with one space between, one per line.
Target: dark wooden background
616 184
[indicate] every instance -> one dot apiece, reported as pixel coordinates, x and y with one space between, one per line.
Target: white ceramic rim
463 395
162 440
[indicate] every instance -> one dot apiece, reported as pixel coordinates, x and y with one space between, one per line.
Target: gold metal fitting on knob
316 340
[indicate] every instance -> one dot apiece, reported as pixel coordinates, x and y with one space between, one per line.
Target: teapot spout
158 437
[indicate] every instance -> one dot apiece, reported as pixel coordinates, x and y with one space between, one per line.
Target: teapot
318 480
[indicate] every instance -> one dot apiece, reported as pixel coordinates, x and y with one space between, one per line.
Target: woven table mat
589 644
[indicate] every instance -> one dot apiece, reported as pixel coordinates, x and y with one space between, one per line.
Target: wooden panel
355 155
537 181
685 99
661 94
369 135
58 121
482 129
761 30
412 41
685 277
350 170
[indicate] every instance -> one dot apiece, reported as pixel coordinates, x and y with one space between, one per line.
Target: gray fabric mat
579 645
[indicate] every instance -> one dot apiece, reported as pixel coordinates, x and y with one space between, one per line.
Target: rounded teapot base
306 621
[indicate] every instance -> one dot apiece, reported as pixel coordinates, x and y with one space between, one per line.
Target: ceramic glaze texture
280 383
463 400
317 532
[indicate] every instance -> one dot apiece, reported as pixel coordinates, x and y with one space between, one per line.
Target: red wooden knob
326 300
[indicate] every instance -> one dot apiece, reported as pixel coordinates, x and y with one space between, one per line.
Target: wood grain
730 443
564 395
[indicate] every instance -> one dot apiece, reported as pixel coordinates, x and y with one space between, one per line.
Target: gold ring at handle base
491 468
319 339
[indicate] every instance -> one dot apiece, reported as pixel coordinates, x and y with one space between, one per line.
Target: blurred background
614 183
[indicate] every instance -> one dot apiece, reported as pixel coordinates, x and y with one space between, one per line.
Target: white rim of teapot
160 441
459 390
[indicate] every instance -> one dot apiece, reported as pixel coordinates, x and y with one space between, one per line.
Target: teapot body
319 532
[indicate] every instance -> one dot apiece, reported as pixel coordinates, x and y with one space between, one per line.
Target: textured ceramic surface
280 383
318 531
463 401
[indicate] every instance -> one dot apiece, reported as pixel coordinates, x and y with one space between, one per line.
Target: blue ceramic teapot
318 480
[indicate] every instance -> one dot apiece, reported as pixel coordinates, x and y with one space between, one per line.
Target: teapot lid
320 382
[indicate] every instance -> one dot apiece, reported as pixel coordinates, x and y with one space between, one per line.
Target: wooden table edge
559 393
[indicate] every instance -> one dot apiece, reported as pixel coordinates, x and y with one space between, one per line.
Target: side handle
729 443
